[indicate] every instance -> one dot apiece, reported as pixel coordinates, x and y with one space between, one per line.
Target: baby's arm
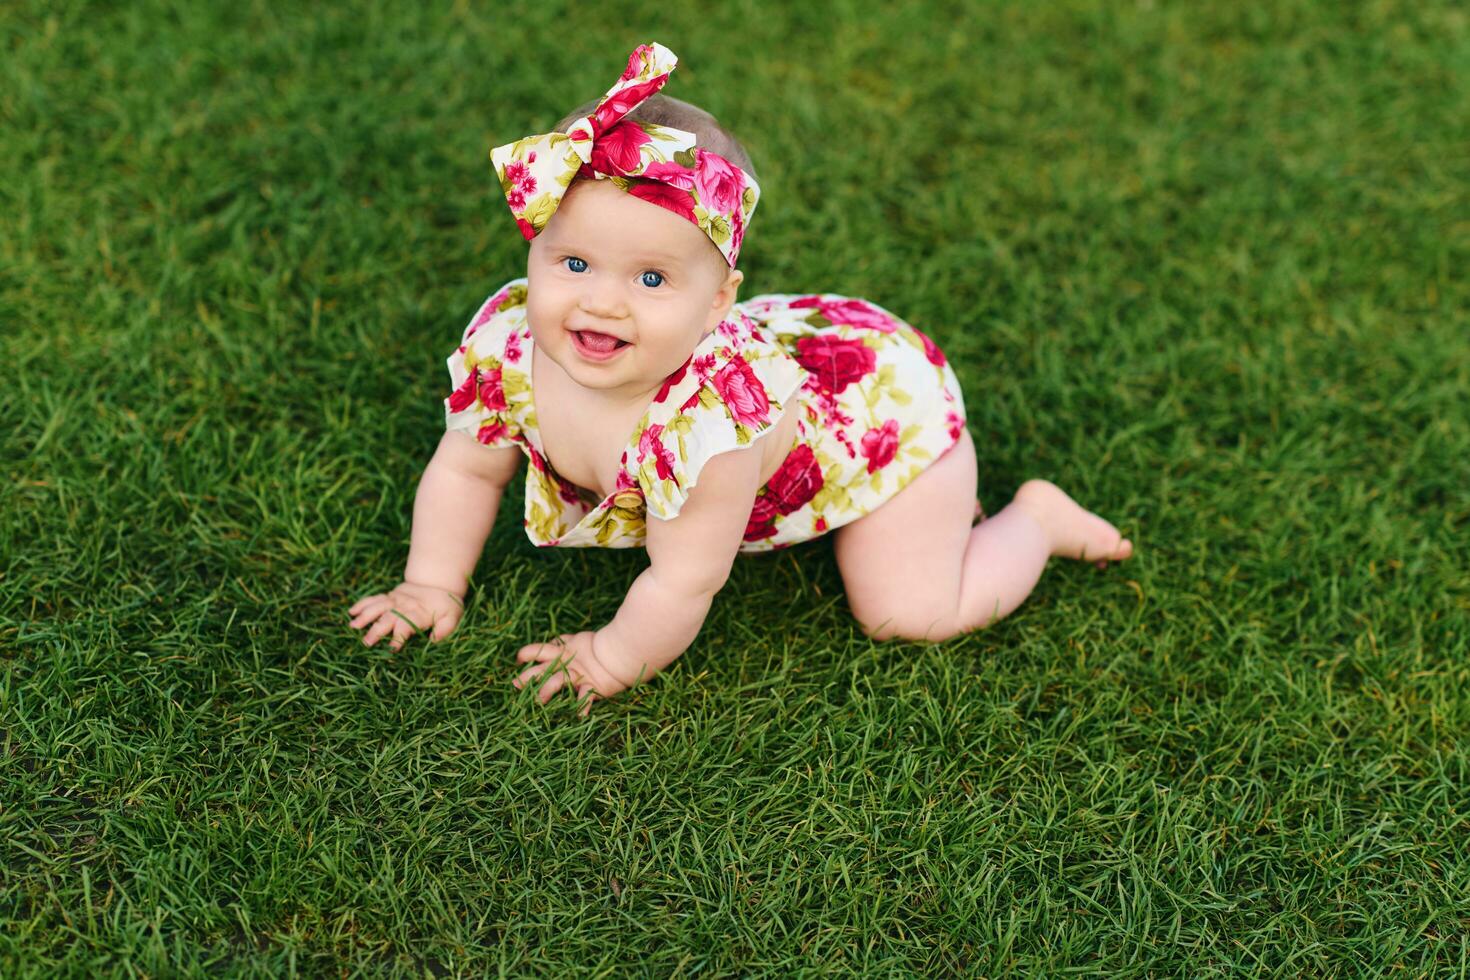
453 513
689 561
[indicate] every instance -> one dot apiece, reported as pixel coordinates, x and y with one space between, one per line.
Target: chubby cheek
541 288
675 343
542 310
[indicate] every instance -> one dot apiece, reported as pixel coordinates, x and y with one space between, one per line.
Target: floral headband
653 163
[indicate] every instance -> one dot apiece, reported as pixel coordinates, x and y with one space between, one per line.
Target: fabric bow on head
654 163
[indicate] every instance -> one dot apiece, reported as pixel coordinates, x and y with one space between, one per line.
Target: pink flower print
567 491
835 363
538 463
513 348
616 151
491 432
935 355
955 424
719 180
492 393
649 444
690 402
834 419
729 329
846 443
635 62
797 481
880 445
528 230
762 522
488 310
516 171
518 175
619 104
670 381
743 393
703 365
464 395
671 174
737 233
666 197
853 312
819 525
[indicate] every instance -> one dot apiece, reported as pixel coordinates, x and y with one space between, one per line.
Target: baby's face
609 265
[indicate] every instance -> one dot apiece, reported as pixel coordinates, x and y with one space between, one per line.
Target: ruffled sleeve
488 373
732 391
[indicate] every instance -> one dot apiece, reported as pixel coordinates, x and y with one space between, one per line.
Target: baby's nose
602 297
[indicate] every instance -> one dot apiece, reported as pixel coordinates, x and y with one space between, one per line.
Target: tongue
599 342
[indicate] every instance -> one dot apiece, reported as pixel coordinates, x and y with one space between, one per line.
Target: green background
1202 265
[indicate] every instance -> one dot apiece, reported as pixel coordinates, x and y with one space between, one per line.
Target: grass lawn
1203 265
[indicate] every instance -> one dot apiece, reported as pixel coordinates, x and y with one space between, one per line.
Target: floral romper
877 402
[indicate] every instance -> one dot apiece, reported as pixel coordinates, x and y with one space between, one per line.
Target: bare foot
1074 532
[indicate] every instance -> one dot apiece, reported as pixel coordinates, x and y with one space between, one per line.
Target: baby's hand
407 610
576 659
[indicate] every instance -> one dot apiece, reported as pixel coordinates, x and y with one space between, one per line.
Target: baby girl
656 411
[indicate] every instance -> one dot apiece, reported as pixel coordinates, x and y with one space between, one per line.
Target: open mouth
597 345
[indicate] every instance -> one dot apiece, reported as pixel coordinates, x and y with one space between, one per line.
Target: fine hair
663 110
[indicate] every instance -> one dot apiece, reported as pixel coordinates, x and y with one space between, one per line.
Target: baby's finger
443 626
586 695
403 628
366 617
367 609
541 651
381 628
405 619
362 604
537 669
529 674
557 682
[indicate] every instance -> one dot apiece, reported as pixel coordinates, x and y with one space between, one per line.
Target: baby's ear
729 289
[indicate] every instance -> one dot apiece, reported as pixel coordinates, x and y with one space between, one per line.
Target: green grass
1202 265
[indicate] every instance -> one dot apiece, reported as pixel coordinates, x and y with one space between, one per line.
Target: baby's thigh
904 559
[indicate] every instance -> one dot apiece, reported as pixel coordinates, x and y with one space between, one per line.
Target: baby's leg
915 568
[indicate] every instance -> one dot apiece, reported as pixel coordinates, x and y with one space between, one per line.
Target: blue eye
658 279
575 264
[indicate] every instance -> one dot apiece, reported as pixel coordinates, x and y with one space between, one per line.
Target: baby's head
622 289
710 137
